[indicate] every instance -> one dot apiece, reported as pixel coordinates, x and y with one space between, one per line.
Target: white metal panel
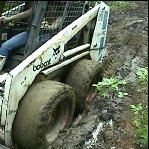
2 102
48 54
5 103
99 36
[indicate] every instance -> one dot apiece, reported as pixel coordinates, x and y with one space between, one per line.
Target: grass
119 5
140 122
142 75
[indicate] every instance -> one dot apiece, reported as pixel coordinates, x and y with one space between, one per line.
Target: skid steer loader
43 86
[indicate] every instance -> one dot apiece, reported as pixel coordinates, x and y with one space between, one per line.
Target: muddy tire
46 108
83 74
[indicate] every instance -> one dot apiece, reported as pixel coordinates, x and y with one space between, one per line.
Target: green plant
121 94
109 86
140 122
142 75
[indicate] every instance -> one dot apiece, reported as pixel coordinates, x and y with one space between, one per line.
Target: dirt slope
127 41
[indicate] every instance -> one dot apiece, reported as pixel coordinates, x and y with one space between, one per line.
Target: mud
107 123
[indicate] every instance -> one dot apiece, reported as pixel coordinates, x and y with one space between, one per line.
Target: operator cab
54 16
11 29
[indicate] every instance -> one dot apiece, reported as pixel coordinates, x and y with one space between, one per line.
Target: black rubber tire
47 103
83 74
